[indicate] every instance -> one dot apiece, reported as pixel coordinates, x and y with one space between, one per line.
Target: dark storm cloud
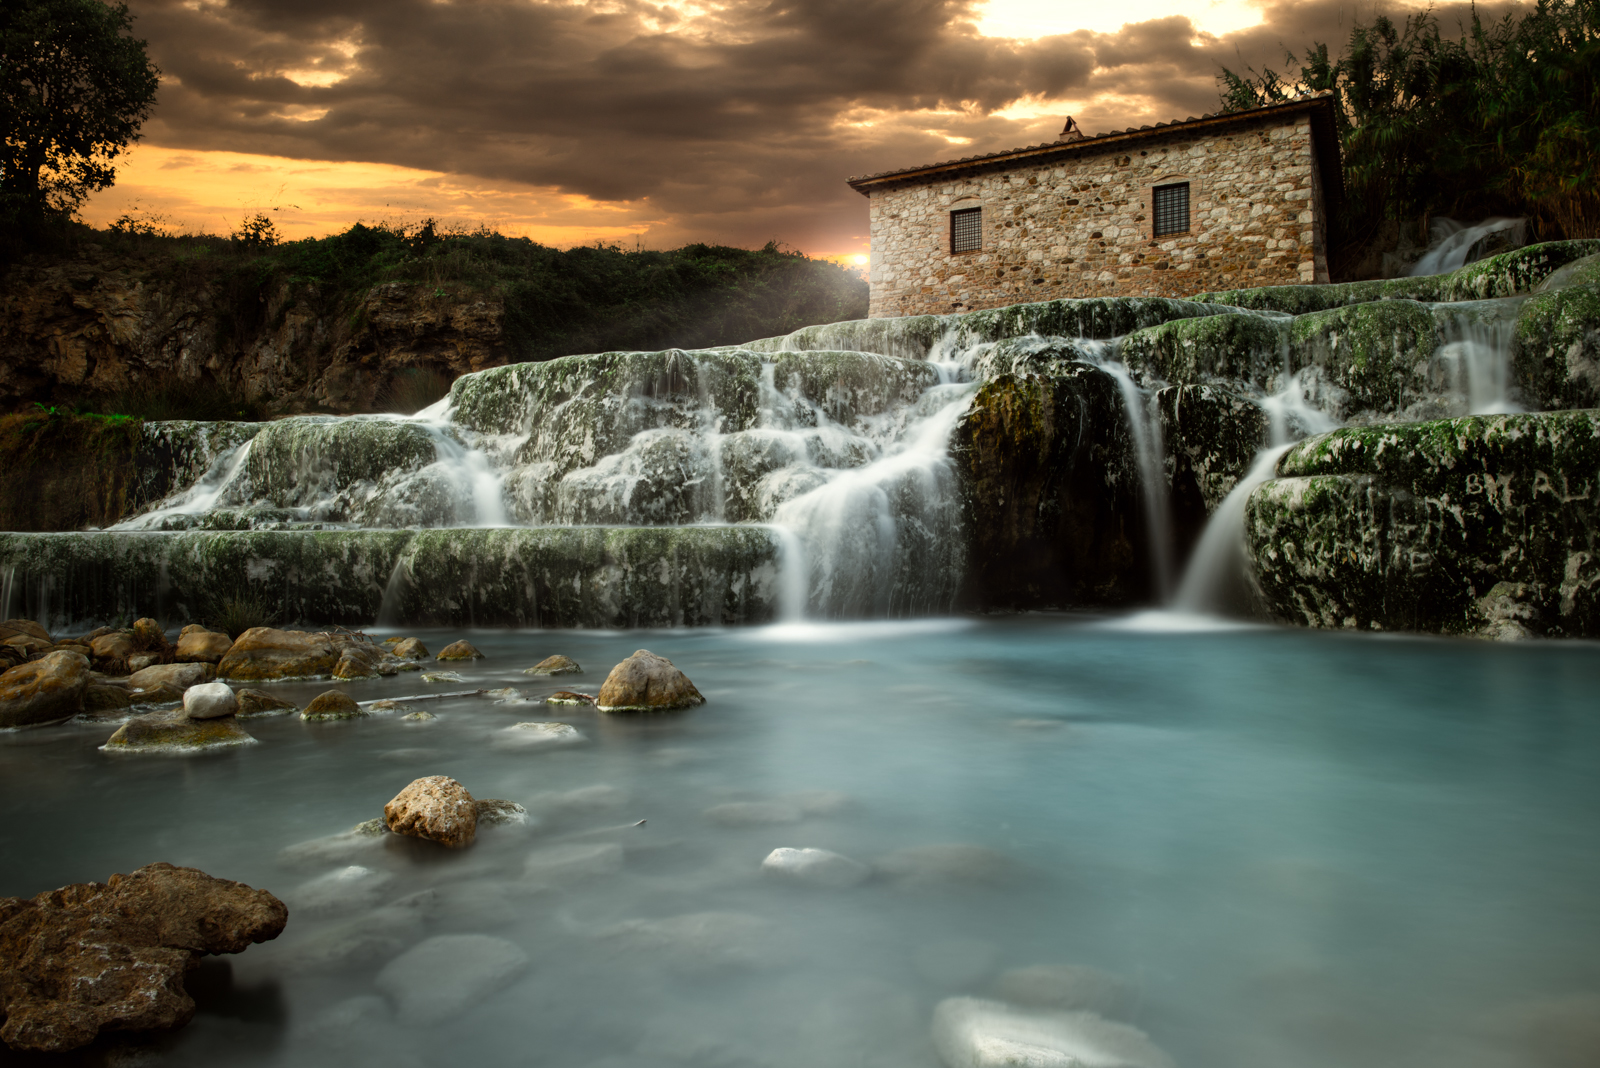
739 120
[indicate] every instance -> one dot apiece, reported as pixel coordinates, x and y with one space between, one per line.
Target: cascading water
1453 243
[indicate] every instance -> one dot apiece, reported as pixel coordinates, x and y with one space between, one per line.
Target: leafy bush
235 613
1502 120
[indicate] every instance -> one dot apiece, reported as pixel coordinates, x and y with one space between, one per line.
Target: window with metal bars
966 230
1171 209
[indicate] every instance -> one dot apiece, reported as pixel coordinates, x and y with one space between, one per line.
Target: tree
74 90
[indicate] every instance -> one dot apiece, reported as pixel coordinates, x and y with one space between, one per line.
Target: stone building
1220 202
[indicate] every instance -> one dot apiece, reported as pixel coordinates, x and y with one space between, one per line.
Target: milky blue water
1296 848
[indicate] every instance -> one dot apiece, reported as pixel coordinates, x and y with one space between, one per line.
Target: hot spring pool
1292 849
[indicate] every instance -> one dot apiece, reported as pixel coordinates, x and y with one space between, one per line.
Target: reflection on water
1257 847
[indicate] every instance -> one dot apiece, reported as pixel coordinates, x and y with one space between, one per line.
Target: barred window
966 230
1172 209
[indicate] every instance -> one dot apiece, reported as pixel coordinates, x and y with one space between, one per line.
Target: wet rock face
47 690
1413 526
333 704
436 808
1051 494
1211 437
1556 356
91 957
646 682
462 650
555 665
196 643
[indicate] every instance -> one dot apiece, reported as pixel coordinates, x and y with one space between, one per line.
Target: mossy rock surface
1374 352
1211 436
1233 346
173 732
848 385
1556 354
1050 492
1410 526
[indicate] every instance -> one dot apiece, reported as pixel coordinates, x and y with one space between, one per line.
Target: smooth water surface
1297 848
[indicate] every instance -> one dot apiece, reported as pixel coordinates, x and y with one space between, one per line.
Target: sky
648 124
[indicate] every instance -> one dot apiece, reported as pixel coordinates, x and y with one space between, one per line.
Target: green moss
1410 526
307 458
66 471
851 384
1370 350
1241 348
1556 354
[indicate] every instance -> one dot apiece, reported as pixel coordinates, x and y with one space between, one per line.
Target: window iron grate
1172 209
966 230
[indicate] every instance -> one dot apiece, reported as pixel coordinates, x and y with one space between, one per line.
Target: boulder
178 676
358 662
646 682
818 867
459 651
197 644
269 653
332 704
139 661
555 665
164 694
257 703
48 690
438 979
209 700
101 698
569 697
116 646
94 956
421 715
171 731
409 649
436 808
26 645
970 1033
150 637
13 628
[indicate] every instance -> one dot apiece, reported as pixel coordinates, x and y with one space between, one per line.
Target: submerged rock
436 808
209 700
818 867
437 980
970 1033
441 676
257 703
569 697
196 643
646 682
91 957
1067 986
540 735
753 813
357 841
330 705
699 941
421 715
949 863
555 665
172 731
462 650
573 862
268 653
346 889
48 690
493 810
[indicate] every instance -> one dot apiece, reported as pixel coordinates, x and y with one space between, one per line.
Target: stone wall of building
1082 226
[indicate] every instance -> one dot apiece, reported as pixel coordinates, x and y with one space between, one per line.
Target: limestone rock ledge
91 957
1482 524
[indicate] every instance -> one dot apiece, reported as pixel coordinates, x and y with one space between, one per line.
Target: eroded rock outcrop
1413 526
95 957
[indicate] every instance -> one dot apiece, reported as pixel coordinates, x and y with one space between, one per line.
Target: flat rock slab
91 957
438 979
172 731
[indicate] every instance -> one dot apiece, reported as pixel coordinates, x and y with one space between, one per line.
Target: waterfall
1453 243
1144 426
1475 361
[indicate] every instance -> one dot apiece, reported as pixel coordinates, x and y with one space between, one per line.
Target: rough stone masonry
1076 218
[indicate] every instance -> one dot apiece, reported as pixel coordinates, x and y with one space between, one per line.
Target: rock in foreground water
555 665
210 700
459 651
409 649
178 676
112 956
646 682
172 731
969 1033
48 690
438 979
436 808
256 703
